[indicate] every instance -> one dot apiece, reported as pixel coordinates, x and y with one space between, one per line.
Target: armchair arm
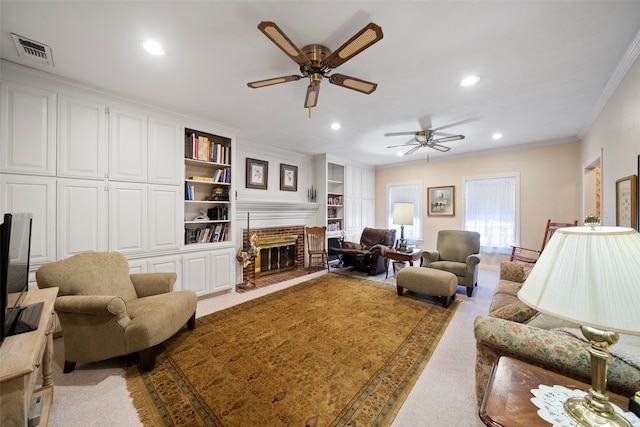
430 256
472 261
95 305
147 284
513 271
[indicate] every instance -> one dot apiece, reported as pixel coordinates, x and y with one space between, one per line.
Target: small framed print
257 173
626 201
288 177
441 201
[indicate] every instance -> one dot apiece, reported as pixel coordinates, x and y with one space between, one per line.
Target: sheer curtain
490 209
406 193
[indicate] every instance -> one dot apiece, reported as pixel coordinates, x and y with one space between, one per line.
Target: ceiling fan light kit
316 61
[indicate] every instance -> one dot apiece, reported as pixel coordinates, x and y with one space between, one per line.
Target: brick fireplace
279 249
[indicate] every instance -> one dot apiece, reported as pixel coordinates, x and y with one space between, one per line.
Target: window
406 193
490 208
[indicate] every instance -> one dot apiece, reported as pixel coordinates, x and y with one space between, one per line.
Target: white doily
550 400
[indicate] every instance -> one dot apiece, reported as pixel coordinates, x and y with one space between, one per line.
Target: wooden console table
507 400
20 357
401 256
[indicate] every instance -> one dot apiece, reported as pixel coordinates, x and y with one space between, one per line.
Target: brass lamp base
588 413
594 409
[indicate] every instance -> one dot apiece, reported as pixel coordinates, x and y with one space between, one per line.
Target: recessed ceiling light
399 154
496 135
335 126
153 47
469 81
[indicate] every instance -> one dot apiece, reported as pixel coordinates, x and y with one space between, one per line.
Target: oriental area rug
332 351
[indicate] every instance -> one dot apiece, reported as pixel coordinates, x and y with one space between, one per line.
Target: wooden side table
507 400
401 256
21 356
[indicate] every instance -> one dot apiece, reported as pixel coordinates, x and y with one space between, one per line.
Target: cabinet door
27 130
164 217
353 182
82 148
368 184
368 213
167 264
127 146
353 213
223 273
165 148
127 217
35 194
82 216
196 272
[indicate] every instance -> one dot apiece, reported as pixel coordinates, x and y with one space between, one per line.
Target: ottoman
428 281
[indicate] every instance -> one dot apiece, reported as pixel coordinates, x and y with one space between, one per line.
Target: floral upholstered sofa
514 329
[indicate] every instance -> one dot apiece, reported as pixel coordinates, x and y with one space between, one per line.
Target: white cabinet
164 217
27 130
164 151
368 184
127 217
197 272
353 217
35 194
127 145
82 147
353 182
368 213
222 263
82 216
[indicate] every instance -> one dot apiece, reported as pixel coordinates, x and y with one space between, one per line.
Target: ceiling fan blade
412 150
448 138
353 83
400 133
277 36
311 98
273 81
412 141
458 123
440 148
369 35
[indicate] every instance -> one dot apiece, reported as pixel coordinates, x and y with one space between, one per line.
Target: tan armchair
106 312
458 252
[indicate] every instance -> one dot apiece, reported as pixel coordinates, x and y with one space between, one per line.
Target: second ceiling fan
427 138
316 61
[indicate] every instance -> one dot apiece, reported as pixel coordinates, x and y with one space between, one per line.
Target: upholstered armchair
106 312
368 255
458 252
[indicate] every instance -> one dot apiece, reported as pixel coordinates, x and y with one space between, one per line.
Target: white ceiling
544 66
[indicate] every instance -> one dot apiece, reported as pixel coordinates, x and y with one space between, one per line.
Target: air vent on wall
36 51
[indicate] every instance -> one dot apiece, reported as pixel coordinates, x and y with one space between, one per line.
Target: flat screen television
15 250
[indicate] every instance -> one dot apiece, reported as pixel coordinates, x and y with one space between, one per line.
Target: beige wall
617 132
550 187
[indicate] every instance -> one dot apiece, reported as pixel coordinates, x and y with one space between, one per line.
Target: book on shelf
202 178
188 191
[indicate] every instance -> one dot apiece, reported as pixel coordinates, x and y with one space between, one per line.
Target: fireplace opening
275 254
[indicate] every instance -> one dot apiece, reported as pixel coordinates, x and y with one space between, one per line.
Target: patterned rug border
145 396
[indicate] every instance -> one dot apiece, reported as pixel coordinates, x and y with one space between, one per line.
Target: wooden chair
531 255
316 244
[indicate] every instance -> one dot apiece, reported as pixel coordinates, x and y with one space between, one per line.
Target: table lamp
590 276
402 215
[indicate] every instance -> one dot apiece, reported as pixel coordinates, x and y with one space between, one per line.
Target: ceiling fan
317 61
425 138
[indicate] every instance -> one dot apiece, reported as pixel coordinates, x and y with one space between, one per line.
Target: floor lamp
591 276
402 215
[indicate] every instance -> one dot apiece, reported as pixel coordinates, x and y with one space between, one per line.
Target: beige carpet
332 351
95 394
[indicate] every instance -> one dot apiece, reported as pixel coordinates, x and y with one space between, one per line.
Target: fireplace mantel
275 206
271 213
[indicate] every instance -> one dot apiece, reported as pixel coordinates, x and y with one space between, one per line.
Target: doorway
591 187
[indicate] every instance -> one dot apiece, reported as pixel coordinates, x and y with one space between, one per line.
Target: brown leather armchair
368 255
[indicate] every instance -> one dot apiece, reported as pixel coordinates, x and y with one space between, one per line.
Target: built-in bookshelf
335 197
207 188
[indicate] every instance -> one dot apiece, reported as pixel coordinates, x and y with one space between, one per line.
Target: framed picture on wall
257 173
626 201
441 201
288 177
